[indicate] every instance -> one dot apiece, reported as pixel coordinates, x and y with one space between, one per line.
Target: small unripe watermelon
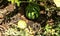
32 11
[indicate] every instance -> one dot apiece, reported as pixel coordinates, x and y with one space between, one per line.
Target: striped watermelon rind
32 11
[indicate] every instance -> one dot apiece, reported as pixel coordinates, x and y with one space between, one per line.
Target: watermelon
32 11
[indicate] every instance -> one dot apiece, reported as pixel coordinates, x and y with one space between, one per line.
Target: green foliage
15 1
50 31
18 2
31 0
